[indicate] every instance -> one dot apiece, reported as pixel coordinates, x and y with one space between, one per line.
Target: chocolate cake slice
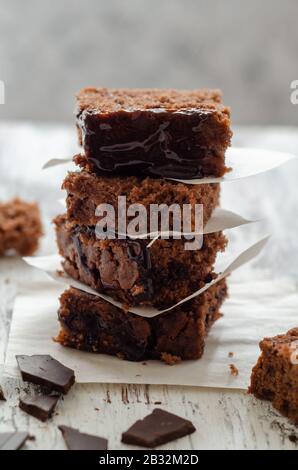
92 324
86 191
161 275
160 133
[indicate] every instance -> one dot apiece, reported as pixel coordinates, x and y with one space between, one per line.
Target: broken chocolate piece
76 440
44 370
157 428
39 406
12 440
275 375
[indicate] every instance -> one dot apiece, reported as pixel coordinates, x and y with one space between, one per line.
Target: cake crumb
234 370
231 354
120 355
170 359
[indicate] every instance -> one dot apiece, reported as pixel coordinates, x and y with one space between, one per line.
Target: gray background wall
49 49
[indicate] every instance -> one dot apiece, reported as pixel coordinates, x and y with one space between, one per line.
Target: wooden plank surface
224 419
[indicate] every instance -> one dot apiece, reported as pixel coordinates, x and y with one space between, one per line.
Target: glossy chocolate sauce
156 143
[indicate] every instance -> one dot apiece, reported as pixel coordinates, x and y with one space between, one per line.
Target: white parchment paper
255 309
243 162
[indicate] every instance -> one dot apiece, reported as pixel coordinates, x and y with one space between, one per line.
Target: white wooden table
225 419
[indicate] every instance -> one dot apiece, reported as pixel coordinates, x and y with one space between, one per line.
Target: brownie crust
89 323
275 376
159 133
20 227
86 191
111 100
161 275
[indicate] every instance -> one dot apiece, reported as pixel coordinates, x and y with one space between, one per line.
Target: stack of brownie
136 143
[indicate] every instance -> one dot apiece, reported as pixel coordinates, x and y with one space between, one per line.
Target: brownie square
86 191
126 269
90 323
275 376
159 133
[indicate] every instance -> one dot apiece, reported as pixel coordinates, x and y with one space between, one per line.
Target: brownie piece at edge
92 324
275 376
85 191
161 275
159 133
20 227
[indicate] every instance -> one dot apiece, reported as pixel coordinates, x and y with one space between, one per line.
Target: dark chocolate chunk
46 371
2 396
157 428
39 406
12 440
75 440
